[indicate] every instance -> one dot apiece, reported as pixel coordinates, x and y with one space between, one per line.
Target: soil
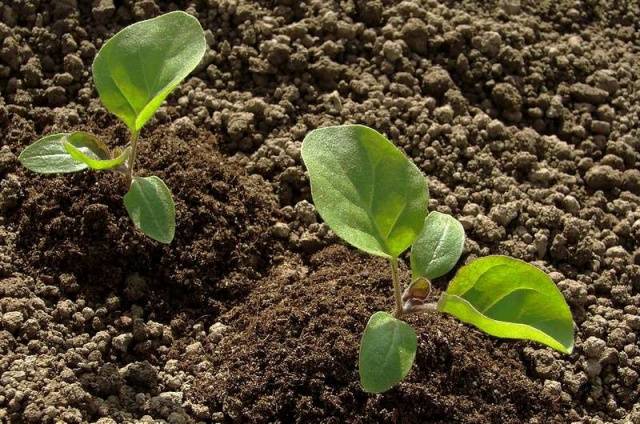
523 116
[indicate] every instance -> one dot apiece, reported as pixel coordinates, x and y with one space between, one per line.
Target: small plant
375 198
134 72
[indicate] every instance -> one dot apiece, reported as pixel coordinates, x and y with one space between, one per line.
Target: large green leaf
387 351
438 246
89 150
151 208
48 156
138 67
509 298
365 188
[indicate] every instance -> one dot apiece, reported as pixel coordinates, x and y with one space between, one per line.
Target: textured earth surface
523 115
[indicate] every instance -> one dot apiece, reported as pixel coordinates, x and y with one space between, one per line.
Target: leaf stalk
397 292
132 156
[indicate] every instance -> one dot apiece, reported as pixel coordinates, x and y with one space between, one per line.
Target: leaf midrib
363 203
153 216
394 341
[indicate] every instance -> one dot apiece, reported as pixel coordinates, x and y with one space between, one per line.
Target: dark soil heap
524 118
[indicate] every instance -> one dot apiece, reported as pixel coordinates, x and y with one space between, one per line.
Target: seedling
375 198
134 72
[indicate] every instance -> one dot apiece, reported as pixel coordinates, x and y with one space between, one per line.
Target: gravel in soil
523 116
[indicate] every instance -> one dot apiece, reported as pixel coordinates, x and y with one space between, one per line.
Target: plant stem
396 287
132 156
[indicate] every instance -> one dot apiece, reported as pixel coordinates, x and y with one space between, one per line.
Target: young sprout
134 72
373 197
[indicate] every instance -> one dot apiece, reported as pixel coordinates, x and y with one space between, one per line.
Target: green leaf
509 298
438 246
365 188
387 351
150 206
48 156
138 67
87 149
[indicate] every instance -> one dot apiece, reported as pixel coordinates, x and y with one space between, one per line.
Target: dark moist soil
290 356
77 227
523 115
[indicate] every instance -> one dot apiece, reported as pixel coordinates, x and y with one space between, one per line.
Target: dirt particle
281 230
10 193
392 50
571 204
594 347
239 124
488 43
416 34
504 214
103 10
11 321
437 81
632 180
122 341
606 80
588 94
74 65
141 374
600 127
56 95
603 177
217 331
507 96
277 52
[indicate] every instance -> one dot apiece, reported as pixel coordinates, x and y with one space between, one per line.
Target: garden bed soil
524 119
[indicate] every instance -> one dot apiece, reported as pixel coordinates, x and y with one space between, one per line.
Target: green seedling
134 72
374 198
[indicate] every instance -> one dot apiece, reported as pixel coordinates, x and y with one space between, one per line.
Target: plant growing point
134 72
374 198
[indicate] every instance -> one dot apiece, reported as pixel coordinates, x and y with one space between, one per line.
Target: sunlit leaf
509 298
365 188
137 68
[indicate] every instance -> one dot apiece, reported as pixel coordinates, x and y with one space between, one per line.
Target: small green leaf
87 149
387 351
150 206
138 67
48 156
509 298
365 188
438 246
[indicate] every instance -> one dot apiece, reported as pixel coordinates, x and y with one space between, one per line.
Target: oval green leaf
138 67
365 188
87 149
387 351
48 156
438 246
509 298
151 208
